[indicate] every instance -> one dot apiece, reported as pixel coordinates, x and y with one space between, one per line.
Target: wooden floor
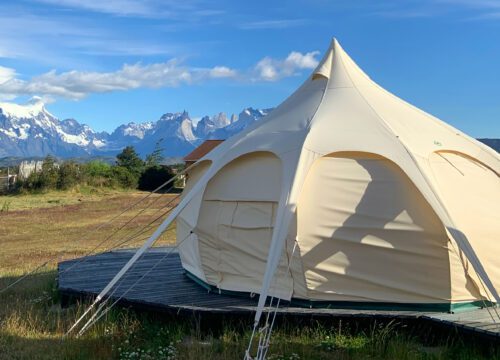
157 281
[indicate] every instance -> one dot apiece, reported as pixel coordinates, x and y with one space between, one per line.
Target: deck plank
167 287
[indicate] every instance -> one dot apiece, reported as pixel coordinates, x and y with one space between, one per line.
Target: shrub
49 176
154 176
128 172
98 173
45 179
123 177
69 175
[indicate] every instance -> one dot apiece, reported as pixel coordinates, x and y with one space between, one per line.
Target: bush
46 179
123 177
155 176
98 173
49 176
69 175
96 168
129 172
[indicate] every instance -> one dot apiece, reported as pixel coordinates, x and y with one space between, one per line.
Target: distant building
198 153
26 168
7 181
201 151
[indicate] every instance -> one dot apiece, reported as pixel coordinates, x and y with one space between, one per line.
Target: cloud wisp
170 9
69 40
272 24
269 69
6 74
76 85
477 9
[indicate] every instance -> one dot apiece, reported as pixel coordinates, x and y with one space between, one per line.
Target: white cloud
269 69
302 61
6 74
222 72
77 85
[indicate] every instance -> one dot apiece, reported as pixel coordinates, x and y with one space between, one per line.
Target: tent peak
331 63
323 70
340 70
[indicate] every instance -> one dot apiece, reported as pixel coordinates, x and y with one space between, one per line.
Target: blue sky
110 62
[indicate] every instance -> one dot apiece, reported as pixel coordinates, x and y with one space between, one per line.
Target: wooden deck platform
161 284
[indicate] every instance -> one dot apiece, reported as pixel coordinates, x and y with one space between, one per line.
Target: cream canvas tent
344 195
387 205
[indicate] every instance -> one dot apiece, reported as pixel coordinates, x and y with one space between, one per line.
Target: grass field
35 229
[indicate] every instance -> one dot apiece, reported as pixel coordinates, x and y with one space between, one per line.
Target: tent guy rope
99 314
99 227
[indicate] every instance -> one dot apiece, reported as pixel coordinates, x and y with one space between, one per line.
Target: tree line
128 172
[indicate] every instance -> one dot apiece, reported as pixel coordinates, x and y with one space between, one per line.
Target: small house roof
202 150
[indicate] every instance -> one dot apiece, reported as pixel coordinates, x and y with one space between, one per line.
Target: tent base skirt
356 305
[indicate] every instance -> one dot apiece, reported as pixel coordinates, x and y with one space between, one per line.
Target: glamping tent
346 195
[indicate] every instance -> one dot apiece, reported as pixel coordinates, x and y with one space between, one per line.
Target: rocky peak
30 130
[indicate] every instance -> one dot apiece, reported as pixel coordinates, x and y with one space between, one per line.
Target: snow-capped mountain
208 124
176 133
30 130
246 118
132 131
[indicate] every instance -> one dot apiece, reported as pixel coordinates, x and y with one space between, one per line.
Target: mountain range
493 143
29 130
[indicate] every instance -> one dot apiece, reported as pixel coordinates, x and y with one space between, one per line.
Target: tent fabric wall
236 222
384 227
471 192
252 177
190 213
366 234
186 222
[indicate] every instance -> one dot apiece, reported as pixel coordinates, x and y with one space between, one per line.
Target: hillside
493 143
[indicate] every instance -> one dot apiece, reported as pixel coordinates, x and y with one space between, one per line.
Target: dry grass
55 232
51 227
57 198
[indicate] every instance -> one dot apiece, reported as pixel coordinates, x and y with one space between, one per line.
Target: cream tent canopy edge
310 124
